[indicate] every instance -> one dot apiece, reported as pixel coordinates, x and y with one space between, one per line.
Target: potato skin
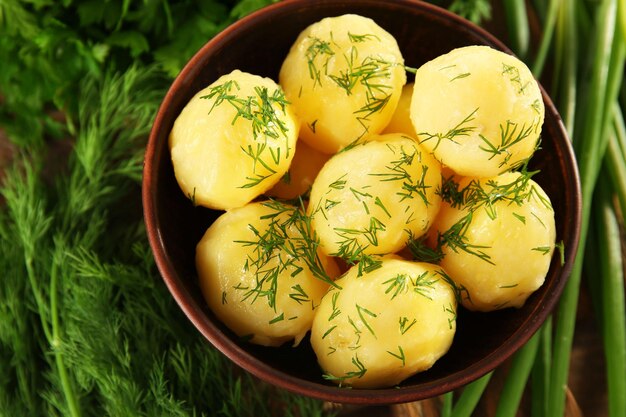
344 76
371 198
479 110
510 243
236 267
386 325
220 160
401 119
306 164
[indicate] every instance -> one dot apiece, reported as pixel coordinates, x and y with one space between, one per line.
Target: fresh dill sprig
82 305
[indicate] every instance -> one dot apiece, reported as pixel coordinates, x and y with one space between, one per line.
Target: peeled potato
371 198
498 252
384 326
254 276
344 76
233 141
401 120
305 166
479 110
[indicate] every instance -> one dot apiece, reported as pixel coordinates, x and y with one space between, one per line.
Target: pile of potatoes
363 209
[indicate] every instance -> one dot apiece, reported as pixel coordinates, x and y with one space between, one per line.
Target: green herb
263 113
322 48
359 372
286 245
405 325
361 311
510 135
362 38
463 128
399 355
396 285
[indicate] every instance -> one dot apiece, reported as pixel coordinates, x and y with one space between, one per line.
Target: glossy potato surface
386 325
479 110
401 120
233 141
371 198
344 76
306 164
498 252
253 284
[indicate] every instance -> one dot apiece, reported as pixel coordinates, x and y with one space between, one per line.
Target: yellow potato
480 111
380 328
344 76
371 198
255 275
233 141
401 120
498 242
305 165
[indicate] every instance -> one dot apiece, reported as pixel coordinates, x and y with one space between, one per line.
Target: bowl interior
258 44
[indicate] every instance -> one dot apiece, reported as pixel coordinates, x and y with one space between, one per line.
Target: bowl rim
309 388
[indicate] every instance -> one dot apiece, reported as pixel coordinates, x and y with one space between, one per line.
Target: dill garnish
397 170
421 251
399 355
286 245
452 311
318 47
405 325
463 128
480 194
362 38
262 110
396 285
361 311
514 76
359 372
510 134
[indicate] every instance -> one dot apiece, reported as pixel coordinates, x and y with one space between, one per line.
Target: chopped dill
359 372
362 38
399 355
287 243
405 325
463 128
361 311
262 110
318 48
510 135
514 76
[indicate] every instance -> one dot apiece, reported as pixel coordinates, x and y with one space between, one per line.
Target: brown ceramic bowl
258 44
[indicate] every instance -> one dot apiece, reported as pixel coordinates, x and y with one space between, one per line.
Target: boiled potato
344 76
378 329
305 166
233 141
253 272
497 240
371 198
401 120
479 110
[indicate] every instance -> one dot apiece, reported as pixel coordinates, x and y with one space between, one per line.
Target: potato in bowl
175 226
